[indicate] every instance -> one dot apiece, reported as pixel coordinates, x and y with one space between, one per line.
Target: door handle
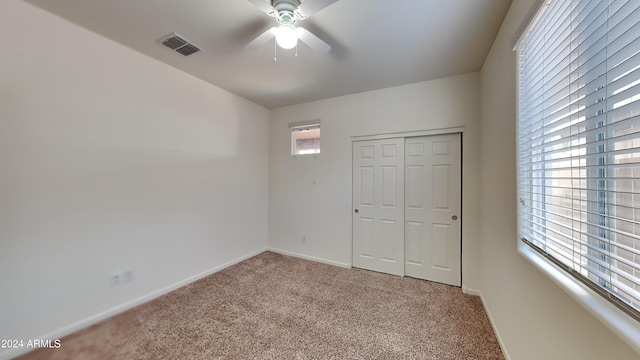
454 217
356 211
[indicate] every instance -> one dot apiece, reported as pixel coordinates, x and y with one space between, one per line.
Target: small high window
305 139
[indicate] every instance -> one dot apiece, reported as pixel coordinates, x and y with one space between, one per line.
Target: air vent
174 42
180 44
187 50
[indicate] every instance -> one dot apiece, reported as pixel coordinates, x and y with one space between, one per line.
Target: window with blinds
305 139
579 142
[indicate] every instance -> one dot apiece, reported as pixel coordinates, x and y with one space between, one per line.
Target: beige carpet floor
277 307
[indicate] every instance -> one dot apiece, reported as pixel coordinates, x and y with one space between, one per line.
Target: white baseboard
60 333
312 258
470 291
493 325
478 293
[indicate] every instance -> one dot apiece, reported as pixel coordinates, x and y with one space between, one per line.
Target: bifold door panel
432 224
378 199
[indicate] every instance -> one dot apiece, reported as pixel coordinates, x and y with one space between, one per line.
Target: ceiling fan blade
262 39
262 5
313 41
311 7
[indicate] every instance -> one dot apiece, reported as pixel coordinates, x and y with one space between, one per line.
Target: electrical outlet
127 276
123 277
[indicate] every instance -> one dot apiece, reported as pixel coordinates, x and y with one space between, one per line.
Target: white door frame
442 131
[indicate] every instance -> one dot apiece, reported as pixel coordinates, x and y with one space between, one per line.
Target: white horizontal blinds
579 140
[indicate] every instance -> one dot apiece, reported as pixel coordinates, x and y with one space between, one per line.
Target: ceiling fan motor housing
287 11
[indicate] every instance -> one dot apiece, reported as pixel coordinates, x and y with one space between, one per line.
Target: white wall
534 318
110 161
322 210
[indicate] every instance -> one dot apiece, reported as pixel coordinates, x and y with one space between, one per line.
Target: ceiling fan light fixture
287 36
287 14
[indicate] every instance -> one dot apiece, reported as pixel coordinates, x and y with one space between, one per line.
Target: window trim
621 323
618 321
296 126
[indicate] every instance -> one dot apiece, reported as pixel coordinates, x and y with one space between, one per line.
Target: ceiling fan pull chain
275 51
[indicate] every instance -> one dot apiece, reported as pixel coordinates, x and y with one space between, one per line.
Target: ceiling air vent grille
180 44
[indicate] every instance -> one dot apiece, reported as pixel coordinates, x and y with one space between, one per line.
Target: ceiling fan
287 13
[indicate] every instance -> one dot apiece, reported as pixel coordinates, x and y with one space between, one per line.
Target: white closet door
378 205
432 208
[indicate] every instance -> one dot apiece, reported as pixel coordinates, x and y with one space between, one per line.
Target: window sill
627 328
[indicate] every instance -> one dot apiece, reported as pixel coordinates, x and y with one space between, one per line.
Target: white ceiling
375 43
